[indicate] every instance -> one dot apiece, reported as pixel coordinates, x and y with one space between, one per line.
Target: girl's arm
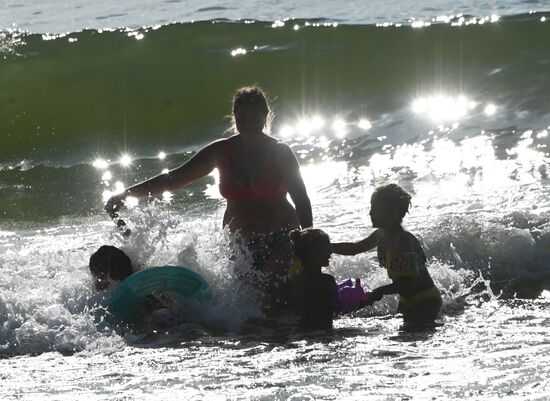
398 286
200 165
353 248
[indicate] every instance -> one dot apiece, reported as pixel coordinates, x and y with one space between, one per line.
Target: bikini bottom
261 247
422 306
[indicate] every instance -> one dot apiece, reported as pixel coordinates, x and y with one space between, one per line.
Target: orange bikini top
268 186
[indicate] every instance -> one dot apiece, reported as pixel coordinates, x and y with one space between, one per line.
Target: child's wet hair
306 241
395 198
110 262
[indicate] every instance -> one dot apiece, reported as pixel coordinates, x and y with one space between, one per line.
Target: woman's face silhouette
249 118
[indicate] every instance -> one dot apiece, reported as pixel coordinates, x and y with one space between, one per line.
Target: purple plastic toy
352 296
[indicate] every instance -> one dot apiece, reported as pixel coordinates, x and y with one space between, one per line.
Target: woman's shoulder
218 144
279 147
224 141
282 153
219 147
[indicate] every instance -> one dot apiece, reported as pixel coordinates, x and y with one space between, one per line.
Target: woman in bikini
256 173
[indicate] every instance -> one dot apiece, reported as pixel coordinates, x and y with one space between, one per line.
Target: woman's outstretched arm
200 165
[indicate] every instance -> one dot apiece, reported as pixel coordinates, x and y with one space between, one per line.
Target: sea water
447 99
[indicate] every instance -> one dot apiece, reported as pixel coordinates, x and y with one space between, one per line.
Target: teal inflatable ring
127 297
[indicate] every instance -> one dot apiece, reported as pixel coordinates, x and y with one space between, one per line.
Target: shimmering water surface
51 16
447 99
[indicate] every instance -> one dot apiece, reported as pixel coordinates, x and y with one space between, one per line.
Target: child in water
401 254
315 291
109 264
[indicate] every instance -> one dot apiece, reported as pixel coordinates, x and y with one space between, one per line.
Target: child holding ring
401 254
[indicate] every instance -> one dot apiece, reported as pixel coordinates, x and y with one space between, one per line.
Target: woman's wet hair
395 198
252 95
304 242
110 262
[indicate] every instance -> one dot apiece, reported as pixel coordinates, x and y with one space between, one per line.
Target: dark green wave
63 102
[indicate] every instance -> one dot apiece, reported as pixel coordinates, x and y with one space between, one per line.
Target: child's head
389 204
109 263
311 246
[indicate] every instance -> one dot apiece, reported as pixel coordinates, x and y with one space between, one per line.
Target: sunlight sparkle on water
458 168
420 24
320 176
443 18
106 195
125 160
442 108
324 142
107 176
304 127
131 201
167 196
364 124
238 52
100 164
136 35
339 127
286 131
119 188
490 109
162 155
165 171
527 159
212 190
317 122
309 124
